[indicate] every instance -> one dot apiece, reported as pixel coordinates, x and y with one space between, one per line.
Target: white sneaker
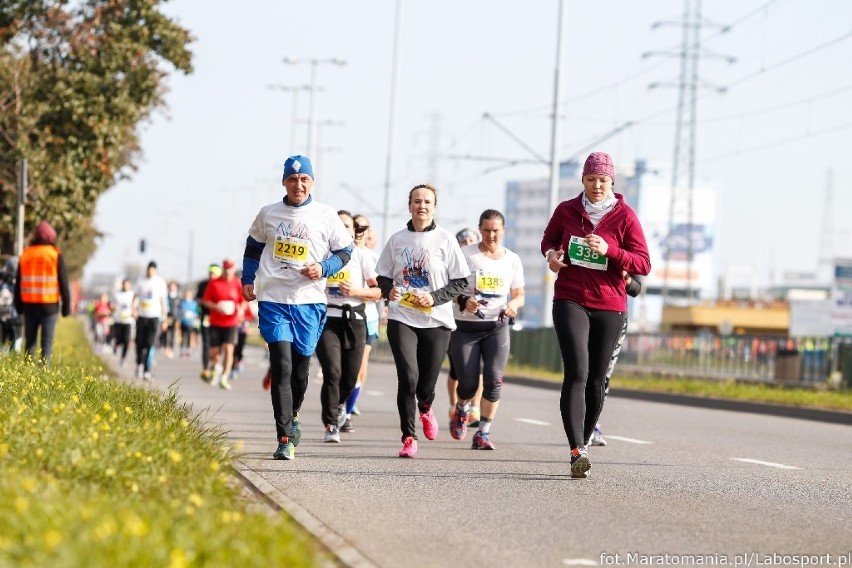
225 384
147 376
140 370
597 437
332 434
341 416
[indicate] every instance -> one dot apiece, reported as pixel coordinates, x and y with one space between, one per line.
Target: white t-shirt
371 308
491 280
151 293
357 271
294 237
123 301
422 262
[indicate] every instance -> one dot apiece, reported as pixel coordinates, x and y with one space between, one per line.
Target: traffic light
141 246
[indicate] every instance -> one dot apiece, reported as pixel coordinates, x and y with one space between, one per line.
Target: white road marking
768 464
374 393
579 562
628 440
533 422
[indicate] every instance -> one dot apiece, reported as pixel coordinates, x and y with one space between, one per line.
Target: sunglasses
361 228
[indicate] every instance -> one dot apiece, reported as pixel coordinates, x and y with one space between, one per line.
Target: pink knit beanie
599 163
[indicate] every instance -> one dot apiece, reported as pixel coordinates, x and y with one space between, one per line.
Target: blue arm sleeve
336 261
251 260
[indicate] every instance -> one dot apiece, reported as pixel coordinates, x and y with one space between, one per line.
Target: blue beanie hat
297 165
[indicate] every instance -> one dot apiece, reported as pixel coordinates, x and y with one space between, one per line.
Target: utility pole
22 198
555 142
397 27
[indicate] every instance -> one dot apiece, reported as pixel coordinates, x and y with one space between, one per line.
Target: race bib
146 304
291 251
228 307
332 283
580 254
490 285
407 303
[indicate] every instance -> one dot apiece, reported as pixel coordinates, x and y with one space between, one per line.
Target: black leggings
289 383
147 332
121 333
418 354
475 346
587 339
339 366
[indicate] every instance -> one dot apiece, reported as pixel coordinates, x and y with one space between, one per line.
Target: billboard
671 248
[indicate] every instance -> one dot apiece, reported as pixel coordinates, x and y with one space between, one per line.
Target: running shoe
146 376
355 411
332 434
267 380
409 448
223 382
347 426
286 450
473 421
341 415
206 375
580 464
458 425
481 442
295 430
597 437
430 425
140 370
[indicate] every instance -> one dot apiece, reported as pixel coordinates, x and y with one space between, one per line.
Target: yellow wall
744 319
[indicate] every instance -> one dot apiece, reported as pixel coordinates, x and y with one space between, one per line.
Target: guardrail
804 361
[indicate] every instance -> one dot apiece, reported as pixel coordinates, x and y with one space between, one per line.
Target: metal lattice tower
826 238
683 159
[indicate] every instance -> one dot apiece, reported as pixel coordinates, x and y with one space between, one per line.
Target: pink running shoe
430 425
409 448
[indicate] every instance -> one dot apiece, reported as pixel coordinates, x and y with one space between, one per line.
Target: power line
780 142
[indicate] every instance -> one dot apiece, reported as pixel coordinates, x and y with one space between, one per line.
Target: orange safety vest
40 274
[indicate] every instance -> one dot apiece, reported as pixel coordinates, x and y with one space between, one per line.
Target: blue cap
298 165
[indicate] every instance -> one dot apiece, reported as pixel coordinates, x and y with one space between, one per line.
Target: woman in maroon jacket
589 241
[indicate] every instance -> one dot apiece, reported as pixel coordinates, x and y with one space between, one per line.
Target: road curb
345 552
803 413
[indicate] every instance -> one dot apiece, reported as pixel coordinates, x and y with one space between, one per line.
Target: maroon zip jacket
620 228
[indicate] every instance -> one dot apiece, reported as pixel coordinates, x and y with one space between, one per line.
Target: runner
150 310
420 271
365 246
122 315
189 323
213 271
341 345
223 298
292 246
102 316
589 241
633 287
484 314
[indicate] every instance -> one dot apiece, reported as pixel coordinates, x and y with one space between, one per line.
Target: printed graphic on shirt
415 275
292 246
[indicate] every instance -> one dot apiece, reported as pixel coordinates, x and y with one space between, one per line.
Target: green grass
96 473
730 389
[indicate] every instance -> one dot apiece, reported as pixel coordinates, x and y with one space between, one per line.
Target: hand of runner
248 292
313 271
554 260
597 244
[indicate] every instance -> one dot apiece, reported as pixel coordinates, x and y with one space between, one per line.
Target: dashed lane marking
768 464
533 422
628 440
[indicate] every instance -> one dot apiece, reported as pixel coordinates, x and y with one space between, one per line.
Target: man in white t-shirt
293 245
149 308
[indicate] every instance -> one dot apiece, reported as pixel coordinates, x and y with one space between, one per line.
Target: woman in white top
341 345
420 270
484 313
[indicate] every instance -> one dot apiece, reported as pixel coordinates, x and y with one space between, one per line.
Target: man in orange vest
41 285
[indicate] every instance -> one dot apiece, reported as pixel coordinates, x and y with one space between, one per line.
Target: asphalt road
703 486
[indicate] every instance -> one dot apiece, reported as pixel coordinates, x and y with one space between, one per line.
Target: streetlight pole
312 127
294 111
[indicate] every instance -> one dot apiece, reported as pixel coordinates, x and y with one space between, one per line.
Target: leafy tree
76 81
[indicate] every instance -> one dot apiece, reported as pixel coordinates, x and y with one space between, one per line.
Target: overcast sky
766 144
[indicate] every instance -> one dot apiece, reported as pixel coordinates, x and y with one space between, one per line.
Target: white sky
215 156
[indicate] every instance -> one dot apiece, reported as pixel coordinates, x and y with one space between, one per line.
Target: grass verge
96 473
729 389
